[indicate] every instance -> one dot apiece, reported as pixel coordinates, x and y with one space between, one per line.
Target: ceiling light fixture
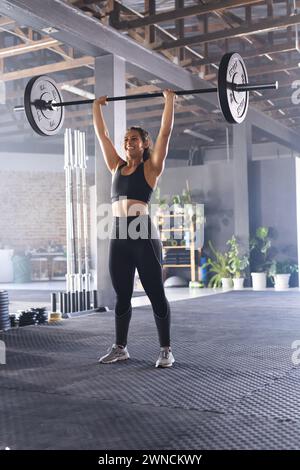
268 57
198 135
50 30
78 91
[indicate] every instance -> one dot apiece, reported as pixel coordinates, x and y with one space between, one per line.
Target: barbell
44 105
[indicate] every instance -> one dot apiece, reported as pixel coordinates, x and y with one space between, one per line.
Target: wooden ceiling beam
179 13
4 21
271 69
27 48
286 47
264 26
49 68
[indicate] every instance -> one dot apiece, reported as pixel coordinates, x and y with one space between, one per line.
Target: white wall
43 162
272 187
210 185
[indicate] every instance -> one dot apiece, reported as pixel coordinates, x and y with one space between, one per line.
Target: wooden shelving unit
190 229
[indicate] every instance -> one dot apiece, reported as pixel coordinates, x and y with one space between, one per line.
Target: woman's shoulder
119 165
150 174
149 167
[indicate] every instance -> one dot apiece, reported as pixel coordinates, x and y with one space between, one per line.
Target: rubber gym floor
234 384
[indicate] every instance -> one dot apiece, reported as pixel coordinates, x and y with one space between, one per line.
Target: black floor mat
233 386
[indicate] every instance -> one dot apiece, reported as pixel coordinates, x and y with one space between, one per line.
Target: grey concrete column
109 80
242 155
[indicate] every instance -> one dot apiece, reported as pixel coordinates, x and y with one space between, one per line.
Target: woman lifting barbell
132 185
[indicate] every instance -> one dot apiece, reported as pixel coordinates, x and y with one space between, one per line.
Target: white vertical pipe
67 180
71 213
297 165
227 145
78 198
85 213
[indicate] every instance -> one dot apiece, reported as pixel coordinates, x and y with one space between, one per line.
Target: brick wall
32 209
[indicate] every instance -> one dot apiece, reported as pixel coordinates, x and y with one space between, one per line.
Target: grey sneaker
165 358
114 354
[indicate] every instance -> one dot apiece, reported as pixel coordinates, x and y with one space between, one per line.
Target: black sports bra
133 186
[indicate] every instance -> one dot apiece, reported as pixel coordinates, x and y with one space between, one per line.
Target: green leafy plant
158 198
260 246
237 263
282 267
176 199
186 197
219 265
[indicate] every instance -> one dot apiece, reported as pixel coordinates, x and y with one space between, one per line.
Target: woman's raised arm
110 154
160 150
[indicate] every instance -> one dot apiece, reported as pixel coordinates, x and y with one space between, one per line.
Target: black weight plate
234 104
43 121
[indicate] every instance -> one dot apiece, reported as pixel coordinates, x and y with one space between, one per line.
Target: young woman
133 182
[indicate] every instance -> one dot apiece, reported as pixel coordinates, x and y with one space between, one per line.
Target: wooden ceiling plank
45 69
184 13
263 26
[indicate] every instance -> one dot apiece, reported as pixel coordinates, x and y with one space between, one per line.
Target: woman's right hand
101 101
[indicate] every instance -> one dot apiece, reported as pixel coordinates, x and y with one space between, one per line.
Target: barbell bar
44 106
50 104
194 91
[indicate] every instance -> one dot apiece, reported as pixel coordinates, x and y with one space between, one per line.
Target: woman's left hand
168 93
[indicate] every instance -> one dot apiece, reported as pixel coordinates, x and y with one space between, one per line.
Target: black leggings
128 252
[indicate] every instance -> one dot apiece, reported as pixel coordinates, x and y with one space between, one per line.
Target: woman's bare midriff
129 207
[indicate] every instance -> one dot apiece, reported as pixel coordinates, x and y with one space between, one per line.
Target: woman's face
134 145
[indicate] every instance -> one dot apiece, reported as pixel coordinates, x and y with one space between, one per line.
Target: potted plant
260 245
237 263
280 272
162 203
186 197
177 204
179 200
220 267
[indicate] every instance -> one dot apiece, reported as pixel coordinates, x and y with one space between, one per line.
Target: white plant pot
226 283
282 281
178 209
259 281
238 283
